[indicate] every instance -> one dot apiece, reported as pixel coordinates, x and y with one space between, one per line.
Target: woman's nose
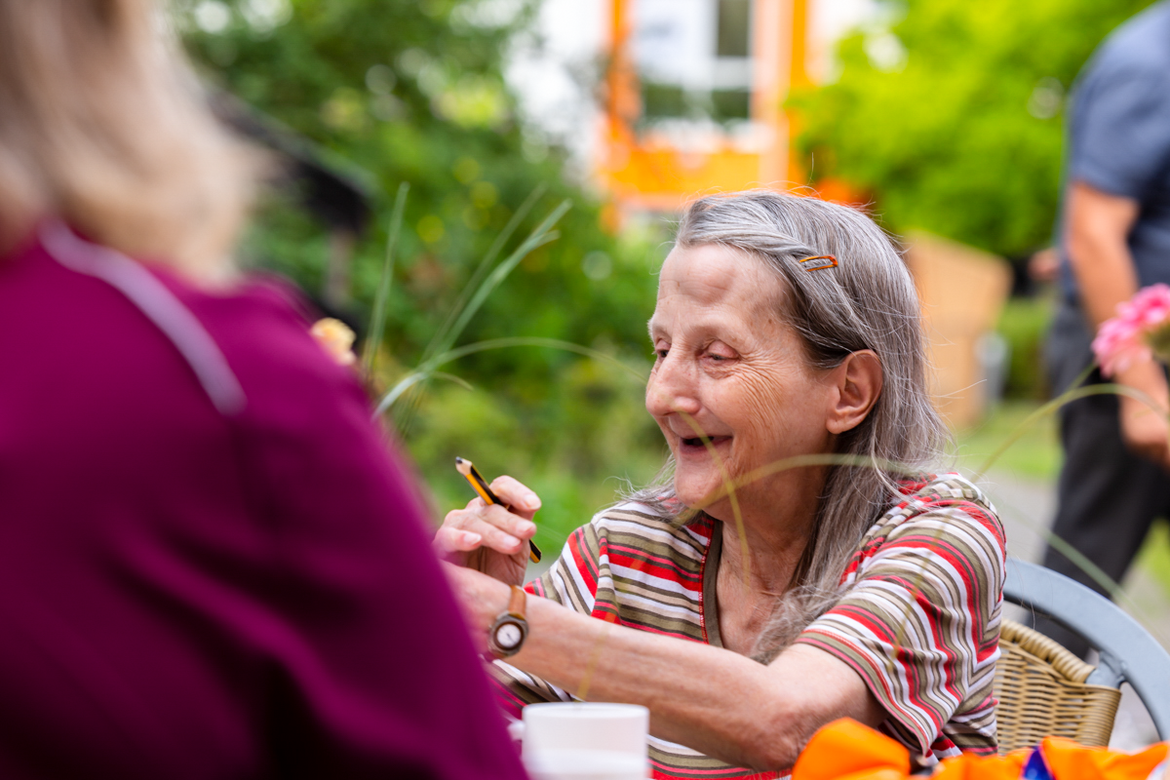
671 389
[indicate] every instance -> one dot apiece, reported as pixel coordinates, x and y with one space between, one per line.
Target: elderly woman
799 566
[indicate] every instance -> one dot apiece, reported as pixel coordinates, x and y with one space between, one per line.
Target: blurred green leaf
413 93
951 116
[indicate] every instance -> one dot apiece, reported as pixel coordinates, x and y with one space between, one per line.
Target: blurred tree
414 92
950 115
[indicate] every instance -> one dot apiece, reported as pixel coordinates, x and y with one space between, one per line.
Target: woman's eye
661 353
718 352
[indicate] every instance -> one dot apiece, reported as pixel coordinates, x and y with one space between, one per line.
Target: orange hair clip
831 264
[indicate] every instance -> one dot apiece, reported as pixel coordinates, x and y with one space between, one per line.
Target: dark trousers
1108 497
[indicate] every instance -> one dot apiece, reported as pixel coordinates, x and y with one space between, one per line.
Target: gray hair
868 301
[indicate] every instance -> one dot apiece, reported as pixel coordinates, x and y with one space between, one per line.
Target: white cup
586 741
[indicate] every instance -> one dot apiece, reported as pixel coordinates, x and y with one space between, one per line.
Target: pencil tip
458 460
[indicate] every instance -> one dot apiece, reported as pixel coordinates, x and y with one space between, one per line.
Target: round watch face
508 635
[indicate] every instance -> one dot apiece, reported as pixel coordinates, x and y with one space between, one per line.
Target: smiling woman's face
729 369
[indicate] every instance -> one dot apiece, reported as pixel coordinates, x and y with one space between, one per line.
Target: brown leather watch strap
510 628
517 602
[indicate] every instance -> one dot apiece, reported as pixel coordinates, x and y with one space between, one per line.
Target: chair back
1042 692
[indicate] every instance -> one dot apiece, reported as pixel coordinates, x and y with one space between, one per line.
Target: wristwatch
509 630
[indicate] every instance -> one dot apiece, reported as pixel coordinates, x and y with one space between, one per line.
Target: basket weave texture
1042 692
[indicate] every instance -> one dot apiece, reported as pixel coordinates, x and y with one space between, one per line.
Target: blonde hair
104 126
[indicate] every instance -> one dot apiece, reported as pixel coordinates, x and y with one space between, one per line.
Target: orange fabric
1071 761
846 749
972 767
875 774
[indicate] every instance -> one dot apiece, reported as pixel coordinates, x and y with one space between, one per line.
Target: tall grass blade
729 488
404 384
540 236
428 369
1051 407
594 659
534 341
1115 590
378 322
484 265
458 380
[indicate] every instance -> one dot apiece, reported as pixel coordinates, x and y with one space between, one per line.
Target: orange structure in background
962 291
644 168
646 171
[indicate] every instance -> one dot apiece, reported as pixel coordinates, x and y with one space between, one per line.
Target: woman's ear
858 383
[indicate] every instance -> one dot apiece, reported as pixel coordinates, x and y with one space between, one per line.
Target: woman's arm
713 700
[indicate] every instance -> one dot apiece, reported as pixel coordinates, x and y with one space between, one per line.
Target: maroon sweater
210 564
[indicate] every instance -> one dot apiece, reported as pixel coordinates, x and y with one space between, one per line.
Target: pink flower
1141 329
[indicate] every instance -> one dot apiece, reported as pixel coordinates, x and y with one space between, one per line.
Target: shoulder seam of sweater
159 305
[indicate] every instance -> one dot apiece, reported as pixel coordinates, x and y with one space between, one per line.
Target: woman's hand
1143 427
490 538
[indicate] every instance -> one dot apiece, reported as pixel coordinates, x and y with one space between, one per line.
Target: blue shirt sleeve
1121 131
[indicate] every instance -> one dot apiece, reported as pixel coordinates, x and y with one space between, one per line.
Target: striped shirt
918 618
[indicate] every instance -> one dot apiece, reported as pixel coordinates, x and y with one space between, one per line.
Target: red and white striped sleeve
919 619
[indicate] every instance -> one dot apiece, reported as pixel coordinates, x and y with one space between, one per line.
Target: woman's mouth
700 442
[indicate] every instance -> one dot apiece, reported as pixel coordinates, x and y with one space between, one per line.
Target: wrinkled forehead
712 272
710 277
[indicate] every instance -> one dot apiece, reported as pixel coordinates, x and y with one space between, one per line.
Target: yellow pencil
480 486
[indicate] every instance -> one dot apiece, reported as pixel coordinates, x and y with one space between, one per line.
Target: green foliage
402 91
413 92
952 116
377 330
1024 324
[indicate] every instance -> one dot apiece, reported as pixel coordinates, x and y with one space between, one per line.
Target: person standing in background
211 563
1114 238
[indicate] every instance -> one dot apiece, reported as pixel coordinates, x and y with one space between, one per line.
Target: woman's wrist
508 631
481 597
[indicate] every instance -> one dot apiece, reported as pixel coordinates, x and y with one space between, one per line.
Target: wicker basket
1042 692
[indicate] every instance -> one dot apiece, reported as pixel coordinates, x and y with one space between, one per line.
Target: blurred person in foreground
785 328
211 566
1114 238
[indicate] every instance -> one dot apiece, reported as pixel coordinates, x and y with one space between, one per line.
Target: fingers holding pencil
493 533
487 538
517 499
516 496
483 525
